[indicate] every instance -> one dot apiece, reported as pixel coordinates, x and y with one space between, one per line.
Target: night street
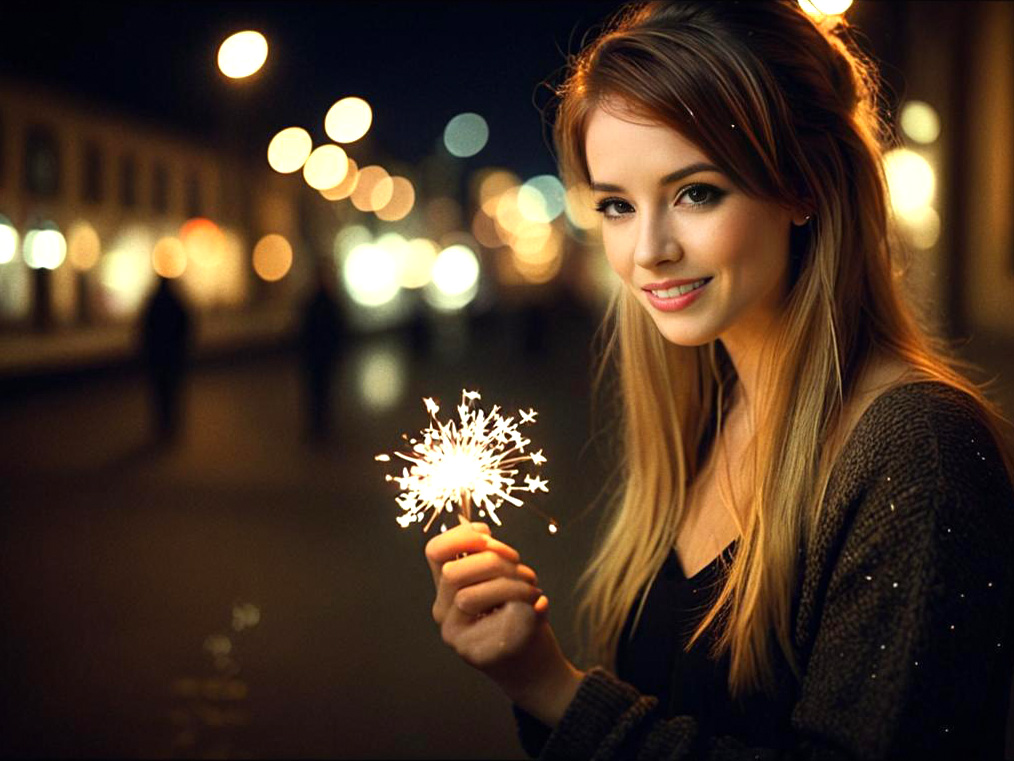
129 569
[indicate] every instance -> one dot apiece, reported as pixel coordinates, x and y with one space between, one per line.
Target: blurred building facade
94 207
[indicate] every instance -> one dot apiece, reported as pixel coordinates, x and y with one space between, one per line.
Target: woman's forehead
615 138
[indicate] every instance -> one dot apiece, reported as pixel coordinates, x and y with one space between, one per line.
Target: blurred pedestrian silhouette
320 342
165 348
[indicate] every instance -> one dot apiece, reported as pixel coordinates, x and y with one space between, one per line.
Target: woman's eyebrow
679 174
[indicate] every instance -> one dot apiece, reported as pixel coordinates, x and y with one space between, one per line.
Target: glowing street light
242 54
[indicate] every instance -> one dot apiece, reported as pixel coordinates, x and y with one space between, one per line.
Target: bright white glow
370 274
289 150
348 120
455 278
45 249
465 135
542 198
8 240
348 238
381 378
125 272
920 122
326 167
832 7
819 8
242 54
911 181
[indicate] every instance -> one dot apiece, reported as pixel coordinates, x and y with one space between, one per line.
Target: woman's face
673 222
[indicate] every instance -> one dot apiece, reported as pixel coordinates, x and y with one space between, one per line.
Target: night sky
417 63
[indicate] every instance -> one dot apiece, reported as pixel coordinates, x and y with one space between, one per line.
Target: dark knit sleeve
903 632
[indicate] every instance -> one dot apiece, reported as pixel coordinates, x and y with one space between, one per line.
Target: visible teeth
679 290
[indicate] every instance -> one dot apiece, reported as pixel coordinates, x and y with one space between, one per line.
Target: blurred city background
239 243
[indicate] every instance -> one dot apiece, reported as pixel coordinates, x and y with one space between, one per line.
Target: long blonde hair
807 134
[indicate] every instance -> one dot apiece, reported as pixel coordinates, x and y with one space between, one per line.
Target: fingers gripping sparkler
470 462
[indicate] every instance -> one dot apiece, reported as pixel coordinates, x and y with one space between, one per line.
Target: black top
691 682
901 626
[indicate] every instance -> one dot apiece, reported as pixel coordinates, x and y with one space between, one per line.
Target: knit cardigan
902 622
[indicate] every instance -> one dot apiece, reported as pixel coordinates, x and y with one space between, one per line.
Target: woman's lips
674 303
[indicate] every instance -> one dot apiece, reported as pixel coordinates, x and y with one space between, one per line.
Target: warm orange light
344 188
203 241
169 258
83 246
484 230
272 257
401 202
326 167
372 178
494 182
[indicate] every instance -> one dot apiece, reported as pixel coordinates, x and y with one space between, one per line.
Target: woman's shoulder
925 436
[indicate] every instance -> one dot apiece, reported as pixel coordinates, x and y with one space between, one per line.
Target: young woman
811 553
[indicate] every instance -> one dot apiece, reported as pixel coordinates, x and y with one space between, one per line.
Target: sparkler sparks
470 461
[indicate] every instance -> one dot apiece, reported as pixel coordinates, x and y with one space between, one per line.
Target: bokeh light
348 120
203 241
370 275
83 246
348 238
45 248
580 207
272 257
374 186
493 182
125 271
923 227
911 180
380 377
484 230
417 269
169 258
289 150
8 240
455 278
465 135
919 120
542 198
242 54
819 8
344 188
401 202
326 166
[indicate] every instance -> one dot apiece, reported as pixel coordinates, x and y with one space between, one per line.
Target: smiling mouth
679 290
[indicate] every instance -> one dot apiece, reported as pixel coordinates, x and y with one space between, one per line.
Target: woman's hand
491 611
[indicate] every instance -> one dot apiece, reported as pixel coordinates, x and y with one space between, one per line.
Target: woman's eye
613 208
701 195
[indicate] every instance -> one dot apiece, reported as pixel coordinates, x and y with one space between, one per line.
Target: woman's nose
656 242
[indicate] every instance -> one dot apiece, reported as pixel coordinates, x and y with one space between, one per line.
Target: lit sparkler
470 461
